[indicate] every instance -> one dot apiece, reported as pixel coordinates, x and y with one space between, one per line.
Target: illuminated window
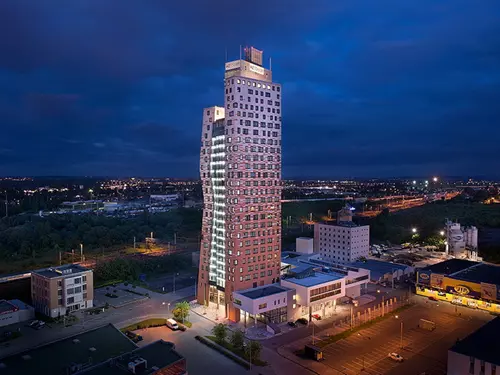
238 81
258 84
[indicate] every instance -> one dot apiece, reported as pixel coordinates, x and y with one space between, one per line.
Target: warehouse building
462 282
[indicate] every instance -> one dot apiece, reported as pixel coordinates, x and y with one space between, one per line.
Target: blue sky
370 88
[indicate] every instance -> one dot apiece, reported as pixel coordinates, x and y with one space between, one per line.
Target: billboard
424 277
489 291
462 288
256 69
233 65
437 280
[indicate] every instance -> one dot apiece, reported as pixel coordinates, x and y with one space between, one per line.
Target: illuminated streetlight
441 233
414 182
426 182
435 179
414 230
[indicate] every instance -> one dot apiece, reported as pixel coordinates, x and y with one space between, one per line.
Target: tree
252 350
181 310
220 332
237 339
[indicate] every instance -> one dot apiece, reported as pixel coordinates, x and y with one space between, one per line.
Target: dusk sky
370 88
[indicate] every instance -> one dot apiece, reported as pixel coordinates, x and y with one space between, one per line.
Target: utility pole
352 313
175 238
72 255
313 333
81 253
401 335
60 258
134 242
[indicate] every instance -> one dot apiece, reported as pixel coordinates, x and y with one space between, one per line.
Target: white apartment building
344 242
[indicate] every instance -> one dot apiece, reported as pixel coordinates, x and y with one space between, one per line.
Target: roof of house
482 344
480 273
450 266
317 278
56 358
159 354
59 271
259 292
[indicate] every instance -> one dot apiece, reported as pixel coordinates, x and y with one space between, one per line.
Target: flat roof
264 291
59 271
379 266
316 279
450 266
157 354
57 357
482 344
480 273
6 306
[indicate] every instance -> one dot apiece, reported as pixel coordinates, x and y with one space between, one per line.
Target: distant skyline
371 89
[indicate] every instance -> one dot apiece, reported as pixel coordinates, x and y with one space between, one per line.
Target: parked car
292 324
40 325
302 321
133 336
316 316
34 323
172 324
395 357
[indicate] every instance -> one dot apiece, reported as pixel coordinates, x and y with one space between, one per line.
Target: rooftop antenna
240 51
270 64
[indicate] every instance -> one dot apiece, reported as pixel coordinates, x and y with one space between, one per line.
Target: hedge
148 323
225 352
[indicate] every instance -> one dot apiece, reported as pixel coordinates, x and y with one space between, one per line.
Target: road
120 317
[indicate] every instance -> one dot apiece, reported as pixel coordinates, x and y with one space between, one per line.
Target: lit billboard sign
256 69
424 277
233 65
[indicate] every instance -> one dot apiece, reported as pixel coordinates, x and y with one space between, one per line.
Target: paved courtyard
123 297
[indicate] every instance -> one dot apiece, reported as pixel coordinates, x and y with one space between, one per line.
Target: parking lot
423 351
121 297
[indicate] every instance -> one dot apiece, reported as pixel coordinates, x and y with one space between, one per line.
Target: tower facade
240 169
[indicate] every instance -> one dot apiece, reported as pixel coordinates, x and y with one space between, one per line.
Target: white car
395 357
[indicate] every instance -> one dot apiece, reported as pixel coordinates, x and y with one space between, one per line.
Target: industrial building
381 271
462 282
478 353
461 242
104 350
240 170
56 291
343 241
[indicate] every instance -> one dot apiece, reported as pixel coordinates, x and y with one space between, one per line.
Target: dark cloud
370 88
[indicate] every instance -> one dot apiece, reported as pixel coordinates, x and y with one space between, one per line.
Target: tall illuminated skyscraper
240 169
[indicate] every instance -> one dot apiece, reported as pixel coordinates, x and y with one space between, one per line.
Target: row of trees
28 236
235 341
131 268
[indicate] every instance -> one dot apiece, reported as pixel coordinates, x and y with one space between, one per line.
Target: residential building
56 291
15 311
240 169
103 350
343 241
478 353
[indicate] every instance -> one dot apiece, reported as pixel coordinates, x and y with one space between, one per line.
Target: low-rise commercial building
462 282
15 311
478 353
308 286
56 291
104 350
381 271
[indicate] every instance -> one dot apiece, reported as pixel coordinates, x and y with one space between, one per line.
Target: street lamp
435 179
168 307
441 233
414 230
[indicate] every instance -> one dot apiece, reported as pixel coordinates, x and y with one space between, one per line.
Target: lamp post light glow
414 230
441 233
435 179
